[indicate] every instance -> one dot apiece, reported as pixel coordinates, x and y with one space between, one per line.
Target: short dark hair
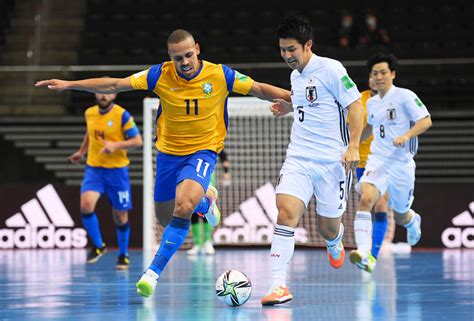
389 58
295 27
179 35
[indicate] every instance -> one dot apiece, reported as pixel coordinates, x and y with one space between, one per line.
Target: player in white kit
396 116
321 153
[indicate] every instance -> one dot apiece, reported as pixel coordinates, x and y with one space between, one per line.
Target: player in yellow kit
111 131
380 220
191 129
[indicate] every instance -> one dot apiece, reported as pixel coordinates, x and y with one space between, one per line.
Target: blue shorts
172 170
359 172
113 181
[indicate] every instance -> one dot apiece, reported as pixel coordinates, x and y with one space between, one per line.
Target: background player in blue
191 129
111 130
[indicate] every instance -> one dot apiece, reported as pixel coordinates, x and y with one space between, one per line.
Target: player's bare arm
281 107
269 92
131 143
351 158
420 127
82 151
93 85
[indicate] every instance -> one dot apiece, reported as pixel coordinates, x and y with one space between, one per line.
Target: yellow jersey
364 147
115 125
192 115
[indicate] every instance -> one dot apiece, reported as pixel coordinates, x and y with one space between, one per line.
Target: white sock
338 238
152 273
363 231
283 246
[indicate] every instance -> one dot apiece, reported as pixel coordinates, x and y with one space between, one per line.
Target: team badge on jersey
207 87
110 123
391 114
311 93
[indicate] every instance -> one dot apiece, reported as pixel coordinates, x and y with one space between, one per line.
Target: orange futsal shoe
336 255
277 295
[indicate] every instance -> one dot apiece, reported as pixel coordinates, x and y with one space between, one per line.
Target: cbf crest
311 94
207 88
391 114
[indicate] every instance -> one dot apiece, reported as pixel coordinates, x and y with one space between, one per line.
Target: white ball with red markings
233 288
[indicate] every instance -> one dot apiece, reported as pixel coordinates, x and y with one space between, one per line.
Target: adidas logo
255 221
44 222
456 237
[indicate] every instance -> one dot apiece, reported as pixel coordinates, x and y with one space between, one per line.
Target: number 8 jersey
192 115
320 95
392 116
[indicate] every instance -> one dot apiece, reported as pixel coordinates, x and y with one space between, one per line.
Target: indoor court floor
58 285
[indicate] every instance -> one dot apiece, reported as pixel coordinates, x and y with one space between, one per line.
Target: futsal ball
233 288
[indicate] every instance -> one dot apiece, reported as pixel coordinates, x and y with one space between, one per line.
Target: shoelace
335 251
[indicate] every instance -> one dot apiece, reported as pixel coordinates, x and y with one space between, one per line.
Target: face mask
370 22
346 23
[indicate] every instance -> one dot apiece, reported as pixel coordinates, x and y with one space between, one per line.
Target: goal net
256 146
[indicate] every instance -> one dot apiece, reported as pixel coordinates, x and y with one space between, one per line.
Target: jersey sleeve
146 79
129 127
237 82
138 80
414 107
369 104
341 85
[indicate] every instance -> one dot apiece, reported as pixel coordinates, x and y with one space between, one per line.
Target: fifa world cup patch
241 77
418 102
347 81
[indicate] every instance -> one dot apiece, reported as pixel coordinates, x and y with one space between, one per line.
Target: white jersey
392 116
320 95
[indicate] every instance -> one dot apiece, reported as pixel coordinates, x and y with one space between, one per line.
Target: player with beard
191 130
111 131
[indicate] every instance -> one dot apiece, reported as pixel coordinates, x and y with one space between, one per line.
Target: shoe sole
144 289
356 259
97 258
287 299
121 267
339 263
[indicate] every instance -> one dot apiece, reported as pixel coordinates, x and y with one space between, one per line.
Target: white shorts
398 178
302 177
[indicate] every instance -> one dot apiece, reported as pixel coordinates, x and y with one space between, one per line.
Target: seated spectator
372 34
347 35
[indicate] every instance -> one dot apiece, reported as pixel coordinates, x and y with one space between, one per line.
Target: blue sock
203 205
173 236
123 236
91 223
378 232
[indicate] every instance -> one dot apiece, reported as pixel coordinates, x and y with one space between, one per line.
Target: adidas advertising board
447 211
255 221
462 234
42 222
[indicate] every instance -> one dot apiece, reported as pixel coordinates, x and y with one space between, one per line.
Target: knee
367 201
286 217
87 206
120 218
184 209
